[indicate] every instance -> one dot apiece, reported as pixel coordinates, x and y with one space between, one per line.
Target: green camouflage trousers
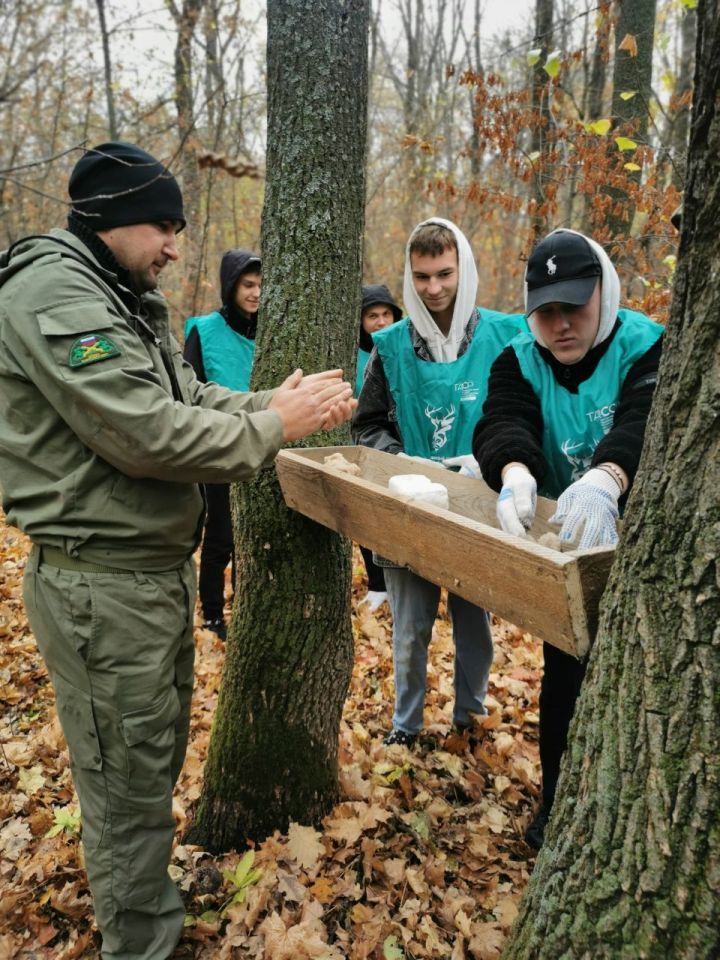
119 650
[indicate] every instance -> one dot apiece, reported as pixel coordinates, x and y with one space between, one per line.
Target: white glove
434 463
516 502
469 467
590 502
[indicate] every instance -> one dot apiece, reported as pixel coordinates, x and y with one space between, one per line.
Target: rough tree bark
273 752
630 868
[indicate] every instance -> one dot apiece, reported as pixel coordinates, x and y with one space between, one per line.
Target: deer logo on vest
573 452
442 422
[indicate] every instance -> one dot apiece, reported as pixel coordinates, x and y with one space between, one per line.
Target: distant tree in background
186 19
631 98
451 128
107 62
541 130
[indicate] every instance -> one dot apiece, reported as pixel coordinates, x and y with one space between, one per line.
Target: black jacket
511 427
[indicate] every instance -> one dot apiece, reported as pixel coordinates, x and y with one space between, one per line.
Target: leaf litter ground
423 856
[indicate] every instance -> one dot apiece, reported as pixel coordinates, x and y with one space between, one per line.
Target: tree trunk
631 862
215 91
273 753
594 98
681 120
186 20
541 91
107 61
631 74
475 61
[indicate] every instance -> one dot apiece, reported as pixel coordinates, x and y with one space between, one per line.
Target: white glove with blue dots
590 504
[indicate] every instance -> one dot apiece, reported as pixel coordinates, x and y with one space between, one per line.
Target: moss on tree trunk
273 751
631 863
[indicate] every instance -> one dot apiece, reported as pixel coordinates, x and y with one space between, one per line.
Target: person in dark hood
378 310
220 347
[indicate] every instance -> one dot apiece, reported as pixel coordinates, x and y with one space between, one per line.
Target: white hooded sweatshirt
443 349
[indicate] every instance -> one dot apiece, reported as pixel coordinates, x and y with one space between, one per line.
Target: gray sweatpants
414 606
119 650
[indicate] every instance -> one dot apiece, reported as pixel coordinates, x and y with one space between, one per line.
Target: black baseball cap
563 268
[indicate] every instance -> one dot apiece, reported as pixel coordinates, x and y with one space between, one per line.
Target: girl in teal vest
220 347
565 415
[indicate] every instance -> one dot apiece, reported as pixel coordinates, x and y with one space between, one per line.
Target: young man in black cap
565 415
220 347
109 435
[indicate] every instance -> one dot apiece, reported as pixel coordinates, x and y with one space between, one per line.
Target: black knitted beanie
118 184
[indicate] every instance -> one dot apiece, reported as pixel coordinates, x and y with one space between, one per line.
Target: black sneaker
217 626
535 833
399 736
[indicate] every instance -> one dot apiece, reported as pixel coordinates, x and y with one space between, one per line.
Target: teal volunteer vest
575 423
438 404
227 355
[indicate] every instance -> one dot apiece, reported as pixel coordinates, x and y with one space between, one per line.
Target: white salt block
408 483
420 489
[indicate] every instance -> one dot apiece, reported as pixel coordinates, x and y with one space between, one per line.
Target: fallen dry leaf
304 845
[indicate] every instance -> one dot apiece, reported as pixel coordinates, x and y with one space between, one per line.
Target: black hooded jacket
373 294
233 264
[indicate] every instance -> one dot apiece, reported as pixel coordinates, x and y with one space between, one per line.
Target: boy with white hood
565 415
424 387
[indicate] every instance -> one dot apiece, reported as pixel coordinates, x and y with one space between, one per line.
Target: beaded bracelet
613 471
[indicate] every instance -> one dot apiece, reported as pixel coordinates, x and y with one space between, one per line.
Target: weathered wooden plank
593 567
537 588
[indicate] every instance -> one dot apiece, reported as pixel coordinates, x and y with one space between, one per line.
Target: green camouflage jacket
105 432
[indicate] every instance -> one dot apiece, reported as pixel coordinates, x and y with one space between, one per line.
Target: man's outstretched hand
319 401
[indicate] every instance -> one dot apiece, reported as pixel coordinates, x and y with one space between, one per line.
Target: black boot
217 626
535 833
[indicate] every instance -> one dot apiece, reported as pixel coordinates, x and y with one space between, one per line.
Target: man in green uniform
105 435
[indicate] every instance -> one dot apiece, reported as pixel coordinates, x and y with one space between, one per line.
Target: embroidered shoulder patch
90 349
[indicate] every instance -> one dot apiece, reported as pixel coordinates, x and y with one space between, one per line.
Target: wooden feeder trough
553 595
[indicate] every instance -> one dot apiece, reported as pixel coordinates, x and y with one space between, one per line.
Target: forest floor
423 856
